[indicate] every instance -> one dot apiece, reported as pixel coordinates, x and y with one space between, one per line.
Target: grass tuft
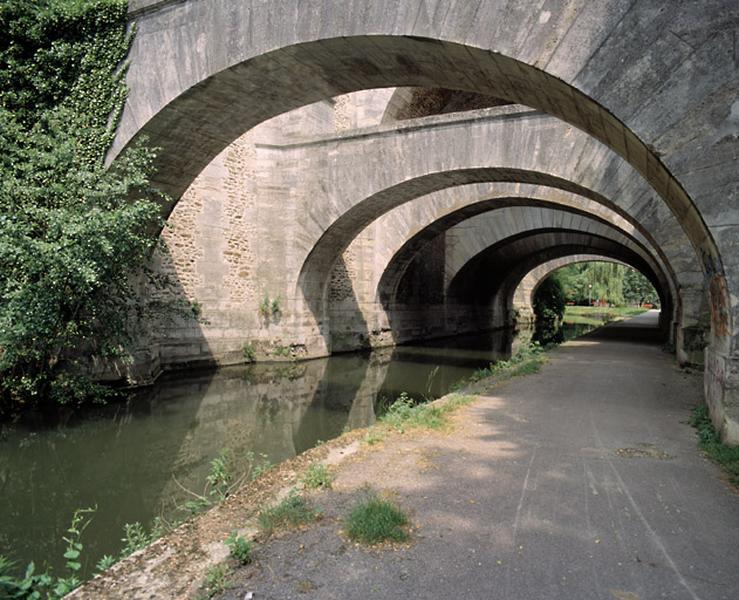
292 511
710 442
216 580
404 413
239 547
527 361
374 520
317 476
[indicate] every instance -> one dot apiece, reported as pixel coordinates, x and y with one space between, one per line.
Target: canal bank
137 461
581 481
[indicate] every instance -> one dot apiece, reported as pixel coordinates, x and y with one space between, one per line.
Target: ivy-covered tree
72 232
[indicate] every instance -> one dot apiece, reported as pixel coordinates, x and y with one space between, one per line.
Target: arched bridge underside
377 172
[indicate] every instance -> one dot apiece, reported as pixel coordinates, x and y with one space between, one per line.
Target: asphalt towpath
580 482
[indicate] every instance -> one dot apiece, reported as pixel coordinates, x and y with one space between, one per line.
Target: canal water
131 460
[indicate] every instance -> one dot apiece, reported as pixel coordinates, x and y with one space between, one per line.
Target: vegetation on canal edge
239 548
317 476
73 233
527 360
216 580
375 520
405 413
291 512
33 585
710 442
222 479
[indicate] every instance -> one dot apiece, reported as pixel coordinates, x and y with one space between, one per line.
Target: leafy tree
549 307
595 280
72 232
638 289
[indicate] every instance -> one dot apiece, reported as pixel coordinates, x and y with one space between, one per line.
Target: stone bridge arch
672 120
264 49
411 232
380 323
439 154
485 280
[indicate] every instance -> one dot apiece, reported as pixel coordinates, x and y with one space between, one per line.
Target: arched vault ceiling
435 154
467 239
397 236
486 275
203 73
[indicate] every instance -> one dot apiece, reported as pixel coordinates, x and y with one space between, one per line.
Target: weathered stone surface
642 134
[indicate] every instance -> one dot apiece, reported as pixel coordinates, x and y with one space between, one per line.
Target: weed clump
375 520
239 548
710 442
526 361
216 580
404 413
317 476
292 511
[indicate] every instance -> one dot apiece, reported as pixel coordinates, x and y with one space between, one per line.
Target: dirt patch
644 451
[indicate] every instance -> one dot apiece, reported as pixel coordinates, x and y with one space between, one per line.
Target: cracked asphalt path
580 482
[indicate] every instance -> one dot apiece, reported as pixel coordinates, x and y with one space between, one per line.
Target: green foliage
135 537
374 520
374 436
250 354
105 563
240 548
224 476
257 464
550 296
72 232
220 476
638 289
275 308
34 586
606 283
283 351
549 306
316 476
216 580
526 361
292 511
405 413
270 308
264 307
710 442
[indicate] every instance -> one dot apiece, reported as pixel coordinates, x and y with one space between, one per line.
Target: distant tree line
605 283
